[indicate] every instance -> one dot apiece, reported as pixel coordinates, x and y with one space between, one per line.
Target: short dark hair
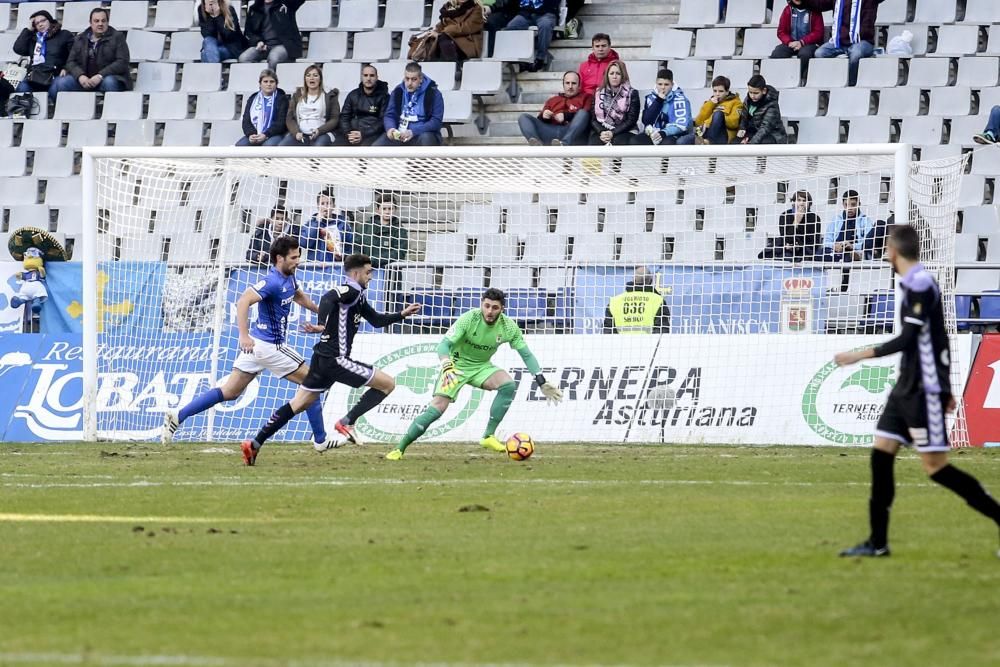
721 81
851 194
281 246
665 74
279 209
600 36
414 66
803 194
385 198
906 241
328 191
495 294
757 81
103 10
356 261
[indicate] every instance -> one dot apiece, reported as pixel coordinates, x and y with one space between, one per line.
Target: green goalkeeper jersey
474 342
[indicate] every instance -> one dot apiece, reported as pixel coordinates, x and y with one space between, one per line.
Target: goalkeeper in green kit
465 354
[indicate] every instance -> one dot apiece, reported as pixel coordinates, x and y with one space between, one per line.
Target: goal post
738 349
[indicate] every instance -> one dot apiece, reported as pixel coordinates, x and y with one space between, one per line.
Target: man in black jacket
98 60
363 110
273 32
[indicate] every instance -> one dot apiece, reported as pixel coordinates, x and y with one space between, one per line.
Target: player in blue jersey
340 312
265 344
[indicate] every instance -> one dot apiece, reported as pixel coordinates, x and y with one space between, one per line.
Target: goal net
683 296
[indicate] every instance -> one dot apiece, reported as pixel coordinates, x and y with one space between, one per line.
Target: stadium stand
937 100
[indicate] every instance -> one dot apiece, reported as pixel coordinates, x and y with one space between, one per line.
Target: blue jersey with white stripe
276 292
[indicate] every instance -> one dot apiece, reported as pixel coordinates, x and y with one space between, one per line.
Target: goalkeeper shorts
472 375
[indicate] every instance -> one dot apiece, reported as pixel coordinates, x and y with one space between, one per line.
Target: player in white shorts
264 346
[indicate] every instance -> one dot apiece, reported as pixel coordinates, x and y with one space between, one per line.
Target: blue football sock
315 414
200 403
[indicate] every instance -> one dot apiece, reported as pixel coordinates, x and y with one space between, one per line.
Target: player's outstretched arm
327 303
380 320
898 344
305 301
552 393
249 297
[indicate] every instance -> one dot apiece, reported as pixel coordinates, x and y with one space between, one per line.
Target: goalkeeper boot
348 433
170 426
491 442
394 455
866 550
249 453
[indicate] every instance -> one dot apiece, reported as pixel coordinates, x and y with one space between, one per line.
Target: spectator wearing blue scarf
544 14
415 111
265 112
47 47
853 30
667 115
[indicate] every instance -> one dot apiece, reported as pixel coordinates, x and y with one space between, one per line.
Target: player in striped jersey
915 412
340 312
264 346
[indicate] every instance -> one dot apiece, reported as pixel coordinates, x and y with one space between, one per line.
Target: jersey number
634 308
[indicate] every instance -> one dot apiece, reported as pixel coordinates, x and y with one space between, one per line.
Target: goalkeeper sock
280 417
883 492
969 488
419 426
202 402
504 397
369 400
315 414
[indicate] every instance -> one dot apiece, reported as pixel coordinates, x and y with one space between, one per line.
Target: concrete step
670 8
491 141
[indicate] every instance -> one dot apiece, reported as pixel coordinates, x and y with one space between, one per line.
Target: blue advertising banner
702 300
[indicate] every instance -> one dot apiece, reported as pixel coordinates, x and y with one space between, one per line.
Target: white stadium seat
156 77
144 45
123 105
53 162
314 15
173 15
669 43
715 43
202 77
357 15
76 106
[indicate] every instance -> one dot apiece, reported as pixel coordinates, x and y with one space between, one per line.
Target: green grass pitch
115 554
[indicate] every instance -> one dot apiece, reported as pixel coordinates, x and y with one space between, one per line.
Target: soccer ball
520 446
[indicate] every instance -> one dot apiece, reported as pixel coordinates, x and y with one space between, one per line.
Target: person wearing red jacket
800 31
592 69
565 118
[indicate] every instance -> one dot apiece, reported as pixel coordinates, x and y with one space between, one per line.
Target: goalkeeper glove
449 375
552 393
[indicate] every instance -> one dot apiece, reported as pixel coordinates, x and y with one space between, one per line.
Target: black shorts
324 372
916 419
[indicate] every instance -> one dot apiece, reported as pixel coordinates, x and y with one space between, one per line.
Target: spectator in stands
667 116
719 118
992 132
383 237
98 59
565 118
363 110
760 122
853 31
265 113
47 47
415 111
272 32
800 31
592 69
639 309
544 14
616 108
498 14
327 235
801 231
313 112
268 229
851 235
460 31
221 36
